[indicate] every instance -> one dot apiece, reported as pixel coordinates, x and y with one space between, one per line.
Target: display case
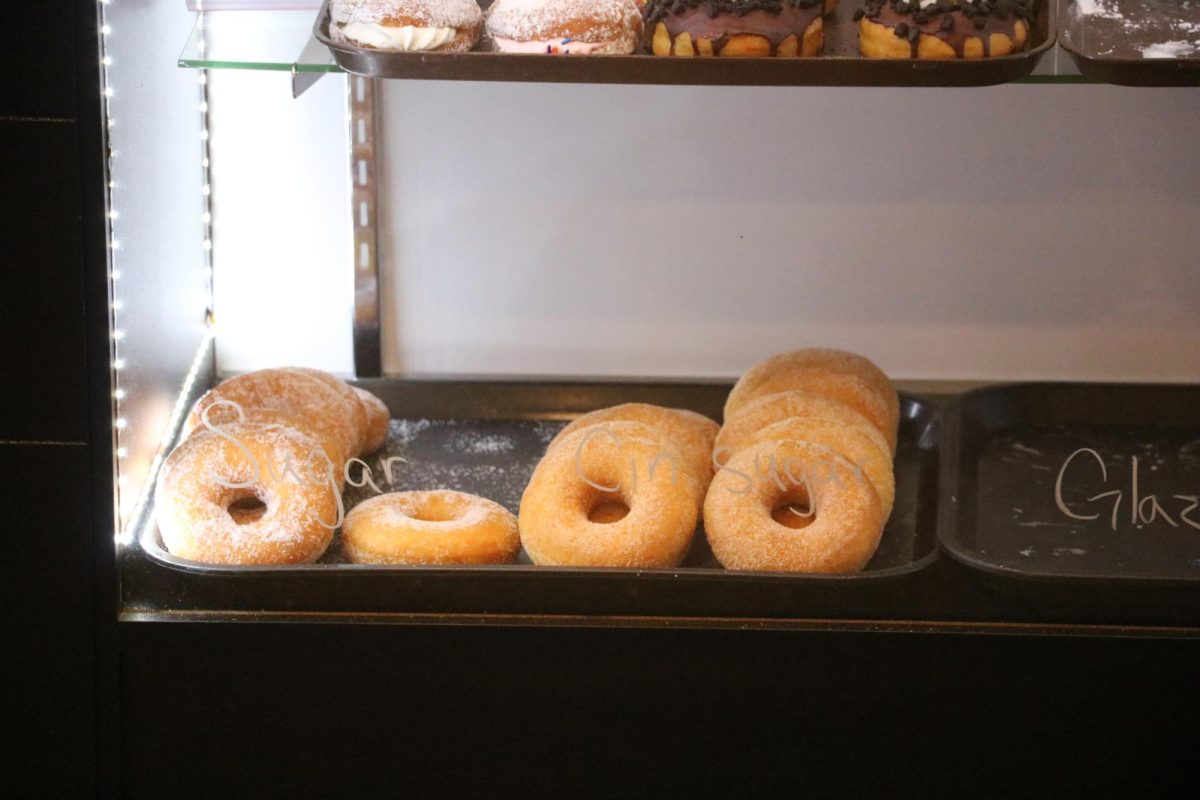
357 288
494 245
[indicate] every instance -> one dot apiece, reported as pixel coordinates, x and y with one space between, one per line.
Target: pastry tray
1107 44
1024 464
840 65
486 438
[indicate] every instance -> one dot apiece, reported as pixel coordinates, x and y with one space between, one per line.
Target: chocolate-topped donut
943 29
784 28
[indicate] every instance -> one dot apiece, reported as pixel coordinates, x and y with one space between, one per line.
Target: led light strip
120 424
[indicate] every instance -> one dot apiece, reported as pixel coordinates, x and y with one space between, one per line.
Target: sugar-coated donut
850 390
449 26
207 479
690 433
792 507
222 414
613 495
563 27
430 527
292 392
943 29
379 420
735 28
354 407
773 408
769 376
853 442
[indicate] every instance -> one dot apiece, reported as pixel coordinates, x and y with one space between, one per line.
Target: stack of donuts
806 453
799 478
257 476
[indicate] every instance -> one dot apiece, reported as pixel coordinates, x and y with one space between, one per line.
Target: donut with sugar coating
751 520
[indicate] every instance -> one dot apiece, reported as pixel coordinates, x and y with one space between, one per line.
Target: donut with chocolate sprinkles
944 29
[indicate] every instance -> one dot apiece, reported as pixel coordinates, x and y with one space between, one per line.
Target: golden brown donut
943 29
735 28
853 442
691 434
564 27
777 407
210 476
750 385
613 495
430 527
354 407
449 26
221 414
291 392
850 390
792 507
379 420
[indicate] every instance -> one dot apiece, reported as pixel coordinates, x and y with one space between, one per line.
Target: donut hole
606 510
794 510
246 508
434 510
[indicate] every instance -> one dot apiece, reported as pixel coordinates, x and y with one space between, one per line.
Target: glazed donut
449 26
430 527
733 28
852 442
379 420
291 392
223 414
690 433
792 507
563 27
943 29
773 408
354 409
750 385
206 480
610 496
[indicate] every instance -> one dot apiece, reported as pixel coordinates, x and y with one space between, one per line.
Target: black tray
840 65
1107 49
486 437
1006 448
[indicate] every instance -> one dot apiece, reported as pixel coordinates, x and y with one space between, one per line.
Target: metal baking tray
1025 464
486 437
840 65
1107 40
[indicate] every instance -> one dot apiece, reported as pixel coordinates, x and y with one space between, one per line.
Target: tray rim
878 72
149 546
950 480
1142 71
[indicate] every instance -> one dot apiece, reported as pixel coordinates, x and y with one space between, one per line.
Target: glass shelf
282 41
279 41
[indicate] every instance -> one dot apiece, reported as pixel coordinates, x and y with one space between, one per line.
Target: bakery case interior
840 339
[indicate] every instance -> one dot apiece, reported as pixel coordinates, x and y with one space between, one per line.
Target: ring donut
769 377
772 408
292 392
851 442
691 434
354 407
615 495
430 527
379 420
792 507
245 496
